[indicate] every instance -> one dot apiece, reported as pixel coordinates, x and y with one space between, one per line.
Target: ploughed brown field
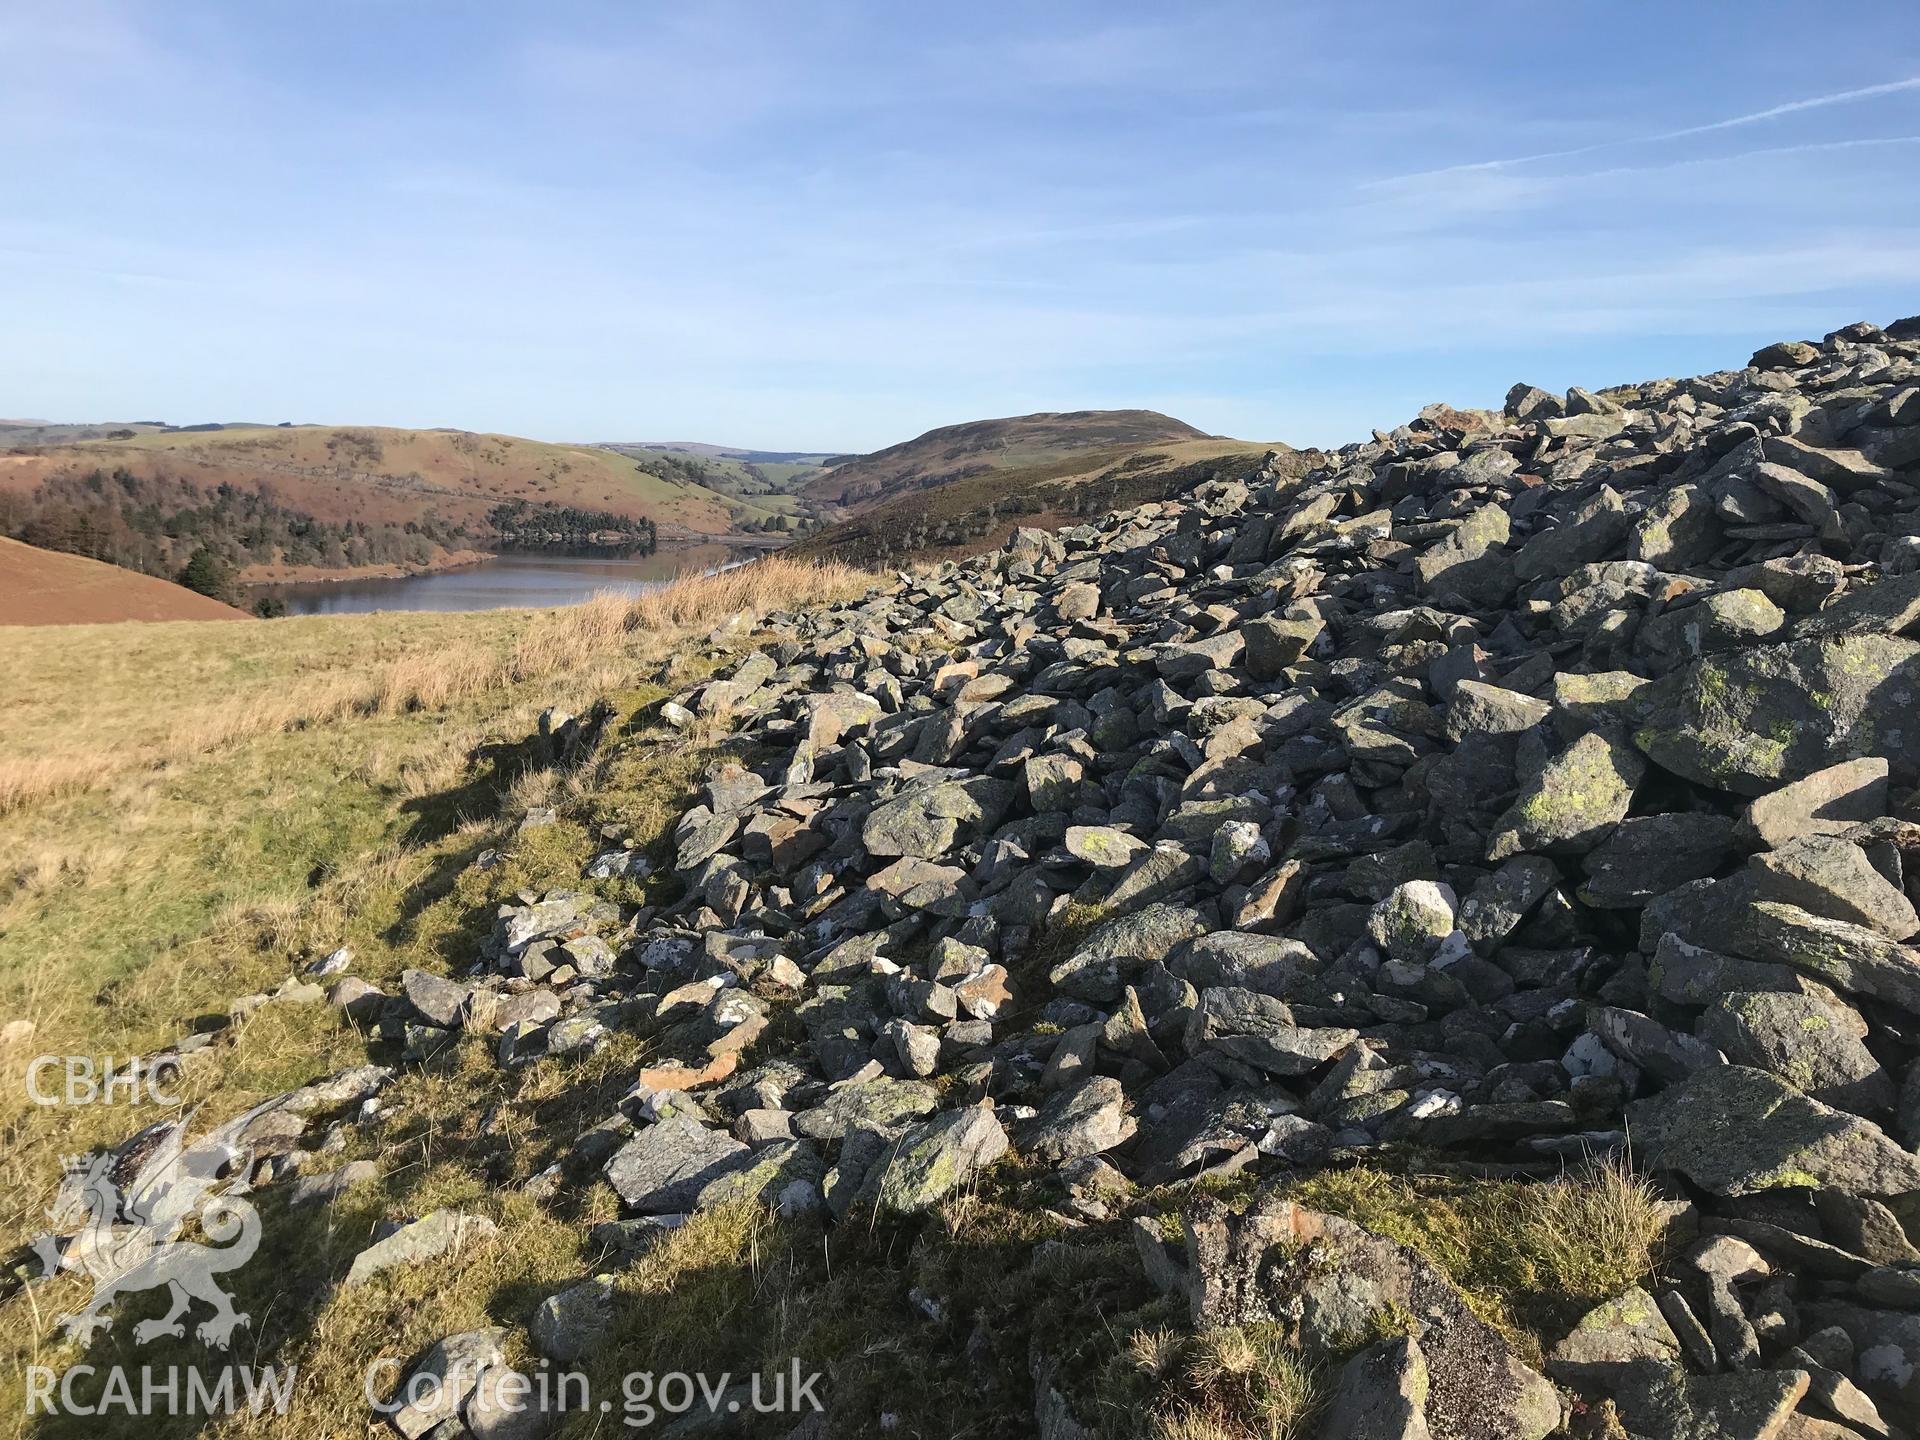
42 587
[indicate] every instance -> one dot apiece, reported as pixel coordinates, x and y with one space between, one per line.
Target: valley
267 513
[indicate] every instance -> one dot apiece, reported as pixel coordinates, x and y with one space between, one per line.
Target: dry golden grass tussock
441 670
560 639
1227 1383
433 680
26 780
1598 1230
772 583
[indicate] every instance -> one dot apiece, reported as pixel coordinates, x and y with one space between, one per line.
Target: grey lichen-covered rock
1331 1281
700 834
1750 720
1097 970
664 1169
782 1174
929 820
327 1187
934 1158
440 1232
868 1104
509 1404
1574 802
1481 709
1830 877
1271 964
1688 974
1272 644
1496 906
1678 528
436 999
1886 1352
1815 1045
1087 1120
1733 1130
1412 921
1186 660
1612 1343
1381 1394
1823 803
1472 564
557 915
1053 782
1259 1030
1724 621
436 1390
1651 1046
1849 957
570 1324
1103 846
1670 1405
1648 855
1588 534
1163 870
1238 848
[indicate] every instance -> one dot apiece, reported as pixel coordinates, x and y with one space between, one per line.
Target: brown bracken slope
42 587
387 476
960 452
965 516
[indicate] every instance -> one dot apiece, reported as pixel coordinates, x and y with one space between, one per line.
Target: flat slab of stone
1824 803
1736 1131
1751 720
663 1169
441 1232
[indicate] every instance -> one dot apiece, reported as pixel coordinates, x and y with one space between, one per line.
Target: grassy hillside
189 813
959 452
967 515
43 587
377 475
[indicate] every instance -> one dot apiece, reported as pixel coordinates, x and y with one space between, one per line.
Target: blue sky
799 225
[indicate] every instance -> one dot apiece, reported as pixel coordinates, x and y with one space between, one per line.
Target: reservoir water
505 582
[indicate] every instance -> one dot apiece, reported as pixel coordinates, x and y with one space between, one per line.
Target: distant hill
960 452
42 587
769 478
376 474
964 516
17 433
376 496
729 452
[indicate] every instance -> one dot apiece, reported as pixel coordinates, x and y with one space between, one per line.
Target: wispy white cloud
1440 198
838 225
1733 122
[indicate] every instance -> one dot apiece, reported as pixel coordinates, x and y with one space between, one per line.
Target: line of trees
203 538
524 525
156 523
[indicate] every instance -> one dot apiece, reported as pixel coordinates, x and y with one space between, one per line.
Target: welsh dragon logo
132 1205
